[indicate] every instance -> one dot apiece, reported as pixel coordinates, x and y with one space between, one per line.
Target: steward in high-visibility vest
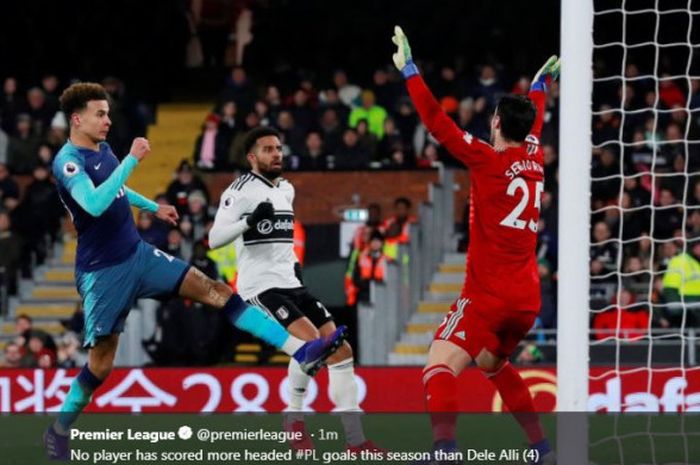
226 263
360 241
396 228
682 282
371 266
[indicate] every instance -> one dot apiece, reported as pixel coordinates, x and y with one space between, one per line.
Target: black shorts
288 305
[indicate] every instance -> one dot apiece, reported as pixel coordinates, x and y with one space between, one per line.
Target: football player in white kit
256 213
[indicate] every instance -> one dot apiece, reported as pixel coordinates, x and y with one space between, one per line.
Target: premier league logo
70 169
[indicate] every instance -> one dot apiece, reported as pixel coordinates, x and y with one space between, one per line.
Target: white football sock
343 393
297 381
291 345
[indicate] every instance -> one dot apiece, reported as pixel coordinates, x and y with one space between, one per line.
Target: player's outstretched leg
91 376
445 362
311 355
516 396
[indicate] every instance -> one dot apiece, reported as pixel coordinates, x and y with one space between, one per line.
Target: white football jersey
265 253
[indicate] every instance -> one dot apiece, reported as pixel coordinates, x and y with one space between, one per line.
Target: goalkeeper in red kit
500 298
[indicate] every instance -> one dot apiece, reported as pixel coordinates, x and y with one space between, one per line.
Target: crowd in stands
645 198
32 131
340 125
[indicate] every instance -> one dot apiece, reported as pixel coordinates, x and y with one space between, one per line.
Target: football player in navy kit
114 267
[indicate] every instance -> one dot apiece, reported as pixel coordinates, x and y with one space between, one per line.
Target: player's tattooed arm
198 286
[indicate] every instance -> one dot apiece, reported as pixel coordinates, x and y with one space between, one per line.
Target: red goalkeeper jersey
506 187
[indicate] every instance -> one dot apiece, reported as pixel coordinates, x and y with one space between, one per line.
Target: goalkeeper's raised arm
431 113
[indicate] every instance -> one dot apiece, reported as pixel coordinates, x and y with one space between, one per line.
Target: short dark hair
403 200
517 114
257 133
76 97
23 316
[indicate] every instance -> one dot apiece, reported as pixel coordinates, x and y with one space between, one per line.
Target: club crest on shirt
282 313
468 138
70 169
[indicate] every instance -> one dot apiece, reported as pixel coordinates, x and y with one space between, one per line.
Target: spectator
313 157
50 87
263 111
681 286
447 83
407 122
488 86
273 99
330 100
371 266
370 111
392 139
351 155
58 133
606 125
24 331
208 148
198 215
331 131
606 167
292 133
603 250
12 355
387 92
626 320
23 147
239 89
428 156
175 245
10 253
8 186
669 92
200 260
155 233
366 139
39 110
471 117
69 354
396 227
668 215
228 128
11 104
185 183
40 211
303 114
347 92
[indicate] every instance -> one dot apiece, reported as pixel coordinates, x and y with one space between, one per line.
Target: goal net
644 225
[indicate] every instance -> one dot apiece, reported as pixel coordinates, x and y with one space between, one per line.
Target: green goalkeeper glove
548 72
402 58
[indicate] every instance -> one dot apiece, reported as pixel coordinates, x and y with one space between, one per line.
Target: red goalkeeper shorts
482 322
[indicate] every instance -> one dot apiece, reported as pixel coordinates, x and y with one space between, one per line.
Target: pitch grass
614 439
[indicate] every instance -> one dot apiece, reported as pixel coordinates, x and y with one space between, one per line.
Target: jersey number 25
513 219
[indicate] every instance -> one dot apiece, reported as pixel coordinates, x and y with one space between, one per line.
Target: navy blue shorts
109 293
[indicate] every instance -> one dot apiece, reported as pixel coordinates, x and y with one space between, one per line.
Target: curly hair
76 97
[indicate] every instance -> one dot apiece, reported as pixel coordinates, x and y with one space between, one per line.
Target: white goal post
576 87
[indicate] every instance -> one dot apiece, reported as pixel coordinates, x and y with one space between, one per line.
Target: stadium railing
391 303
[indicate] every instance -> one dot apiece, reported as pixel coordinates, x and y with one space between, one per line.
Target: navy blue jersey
91 185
